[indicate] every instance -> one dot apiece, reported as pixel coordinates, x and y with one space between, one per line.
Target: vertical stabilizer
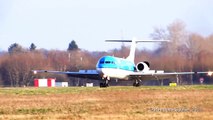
131 56
134 41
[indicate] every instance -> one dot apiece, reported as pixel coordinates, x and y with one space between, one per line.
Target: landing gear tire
104 85
136 84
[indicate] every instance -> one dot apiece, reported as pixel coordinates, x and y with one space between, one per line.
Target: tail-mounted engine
143 66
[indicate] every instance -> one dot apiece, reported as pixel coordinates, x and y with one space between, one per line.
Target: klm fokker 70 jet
110 67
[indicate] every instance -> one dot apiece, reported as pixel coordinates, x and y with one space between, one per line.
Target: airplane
110 67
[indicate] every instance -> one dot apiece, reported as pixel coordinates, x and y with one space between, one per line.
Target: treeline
186 51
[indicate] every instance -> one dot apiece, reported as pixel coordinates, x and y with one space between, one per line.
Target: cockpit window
101 62
107 62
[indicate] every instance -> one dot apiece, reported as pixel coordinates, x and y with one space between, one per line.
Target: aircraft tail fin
134 41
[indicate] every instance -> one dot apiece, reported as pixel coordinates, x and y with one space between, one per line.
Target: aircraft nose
100 71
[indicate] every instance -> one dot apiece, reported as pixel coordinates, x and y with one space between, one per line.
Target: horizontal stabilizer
137 41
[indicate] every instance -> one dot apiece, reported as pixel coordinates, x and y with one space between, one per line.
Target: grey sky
52 24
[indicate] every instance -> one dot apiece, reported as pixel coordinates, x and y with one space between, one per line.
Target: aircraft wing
160 75
153 75
90 74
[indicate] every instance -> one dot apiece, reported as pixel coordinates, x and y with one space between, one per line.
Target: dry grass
123 103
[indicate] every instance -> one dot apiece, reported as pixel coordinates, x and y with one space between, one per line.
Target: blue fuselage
114 67
115 63
111 63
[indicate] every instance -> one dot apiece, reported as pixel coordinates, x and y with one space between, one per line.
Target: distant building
50 82
89 84
61 84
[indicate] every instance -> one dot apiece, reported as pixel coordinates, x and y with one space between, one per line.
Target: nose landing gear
106 82
136 83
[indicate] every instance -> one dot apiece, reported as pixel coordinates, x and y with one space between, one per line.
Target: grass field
123 103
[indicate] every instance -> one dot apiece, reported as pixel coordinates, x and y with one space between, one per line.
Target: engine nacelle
143 66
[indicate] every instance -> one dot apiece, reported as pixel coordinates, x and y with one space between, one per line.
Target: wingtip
210 73
35 72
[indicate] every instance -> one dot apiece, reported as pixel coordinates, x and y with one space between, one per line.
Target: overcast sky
52 24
